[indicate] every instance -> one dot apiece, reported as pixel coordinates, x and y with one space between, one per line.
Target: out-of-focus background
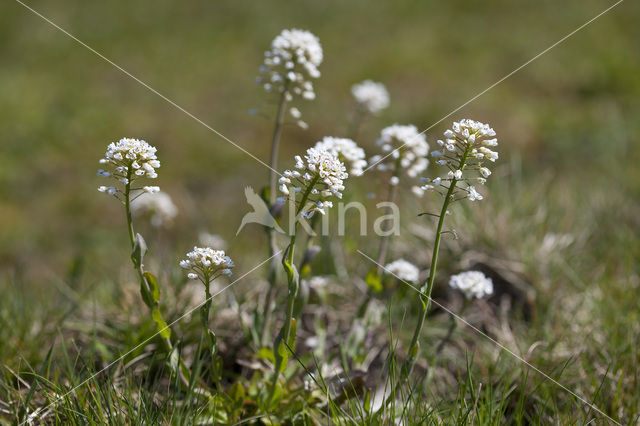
570 115
567 123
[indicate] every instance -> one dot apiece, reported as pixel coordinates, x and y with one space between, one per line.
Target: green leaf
266 353
163 329
236 392
373 279
284 351
139 250
292 336
153 286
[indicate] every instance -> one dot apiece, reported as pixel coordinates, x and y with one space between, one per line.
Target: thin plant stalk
271 235
293 284
452 327
204 318
145 288
427 288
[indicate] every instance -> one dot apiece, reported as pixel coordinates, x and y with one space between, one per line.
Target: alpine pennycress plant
318 177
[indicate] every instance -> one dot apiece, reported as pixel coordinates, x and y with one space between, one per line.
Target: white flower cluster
320 175
466 147
472 284
130 159
403 147
370 96
403 270
158 205
206 264
291 62
347 151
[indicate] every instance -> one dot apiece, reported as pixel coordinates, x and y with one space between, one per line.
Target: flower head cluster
403 270
347 151
129 159
404 148
206 264
472 284
159 206
291 63
370 96
318 176
466 147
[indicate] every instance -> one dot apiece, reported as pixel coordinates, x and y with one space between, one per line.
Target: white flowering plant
464 151
370 96
129 161
206 264
289 67
318 176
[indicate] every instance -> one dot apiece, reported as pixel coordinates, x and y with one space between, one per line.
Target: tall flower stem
271 235
427 288
294 283
145 288
204 319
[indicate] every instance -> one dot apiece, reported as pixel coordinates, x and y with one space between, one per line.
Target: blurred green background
567 123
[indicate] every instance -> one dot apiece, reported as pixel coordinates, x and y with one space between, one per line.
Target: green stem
426 290
452 328
271 235
127 207
183 371
293 281
204 318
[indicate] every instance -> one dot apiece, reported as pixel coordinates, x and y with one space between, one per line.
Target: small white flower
457 174
151 189
321 170
318 282
484 172
347 151
466 149
371 96
403 270
131 159
207 264
394 180
472 284
474 195
408 148
295 112
291 63
157 204
418 191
